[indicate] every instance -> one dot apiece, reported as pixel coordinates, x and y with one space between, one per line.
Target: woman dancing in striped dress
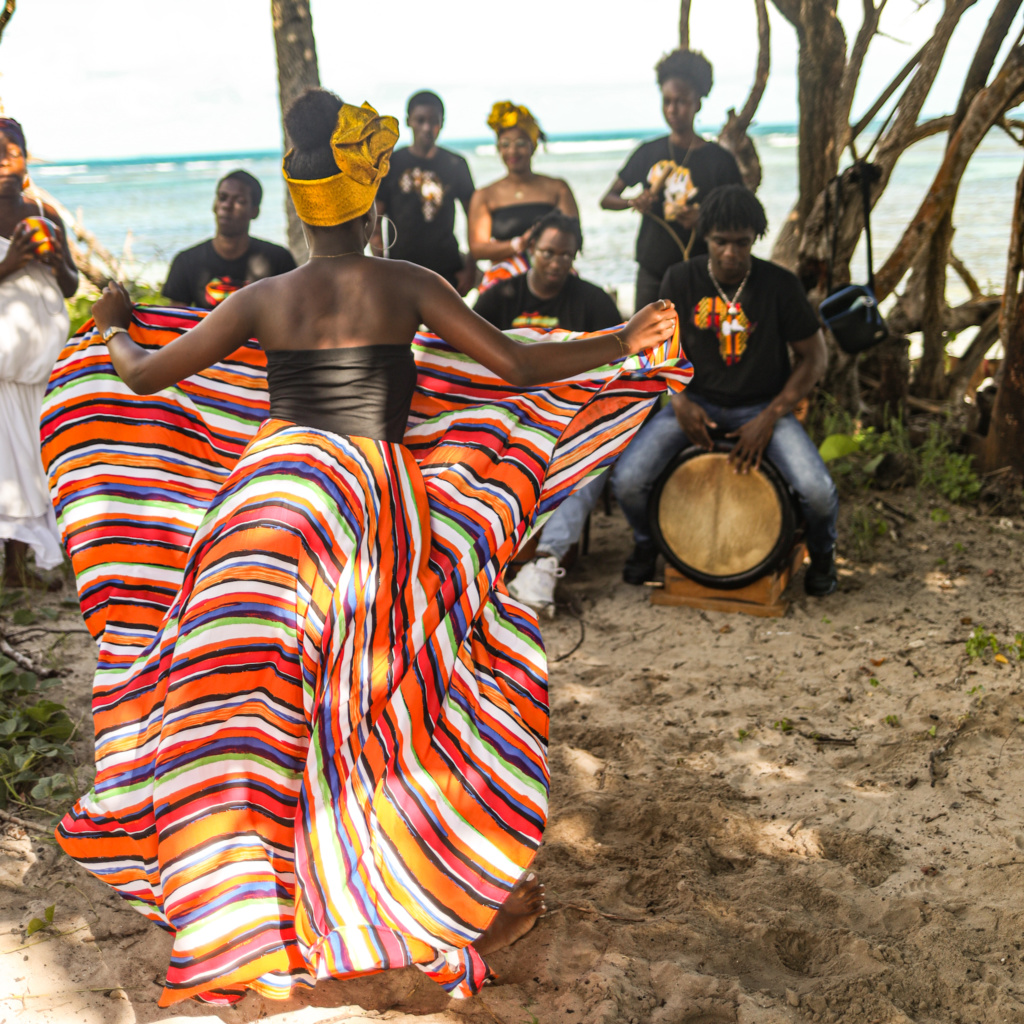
321 721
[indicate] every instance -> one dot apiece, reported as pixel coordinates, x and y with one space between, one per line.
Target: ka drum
718 527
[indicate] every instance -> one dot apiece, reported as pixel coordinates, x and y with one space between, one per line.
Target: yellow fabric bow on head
362 143
505 114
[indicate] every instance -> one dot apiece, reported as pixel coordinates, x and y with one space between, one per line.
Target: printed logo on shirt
535 320
429 188
674 184
729 322
219 288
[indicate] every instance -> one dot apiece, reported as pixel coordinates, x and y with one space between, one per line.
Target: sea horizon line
783 128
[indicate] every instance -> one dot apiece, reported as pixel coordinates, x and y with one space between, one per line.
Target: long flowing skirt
321 721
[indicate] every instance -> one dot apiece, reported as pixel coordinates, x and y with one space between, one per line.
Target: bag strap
865 191
833 224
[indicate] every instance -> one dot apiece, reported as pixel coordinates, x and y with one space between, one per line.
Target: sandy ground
813 818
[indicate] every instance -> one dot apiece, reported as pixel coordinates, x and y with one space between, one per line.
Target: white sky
115 78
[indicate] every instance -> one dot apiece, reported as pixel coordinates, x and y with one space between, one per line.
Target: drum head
721 528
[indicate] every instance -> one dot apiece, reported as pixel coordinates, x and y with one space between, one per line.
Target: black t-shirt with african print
579 306
419 196
202 278
739 358
675 176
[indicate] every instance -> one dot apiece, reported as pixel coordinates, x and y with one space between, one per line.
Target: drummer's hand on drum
650 326
694 421
751 440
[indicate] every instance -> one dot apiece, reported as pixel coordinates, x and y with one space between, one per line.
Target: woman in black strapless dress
321 720
502 213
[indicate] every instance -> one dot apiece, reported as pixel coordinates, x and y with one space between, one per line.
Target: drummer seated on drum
739 316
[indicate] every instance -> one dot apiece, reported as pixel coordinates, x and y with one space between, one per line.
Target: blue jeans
790 449
565 524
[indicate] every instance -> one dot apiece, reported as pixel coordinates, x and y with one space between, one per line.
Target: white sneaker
535 584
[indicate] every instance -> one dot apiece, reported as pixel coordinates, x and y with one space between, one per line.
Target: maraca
43 234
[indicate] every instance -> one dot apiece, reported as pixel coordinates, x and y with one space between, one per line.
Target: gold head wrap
505 114
362 144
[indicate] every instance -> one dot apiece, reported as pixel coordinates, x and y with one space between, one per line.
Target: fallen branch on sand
23 660
29 826
594 910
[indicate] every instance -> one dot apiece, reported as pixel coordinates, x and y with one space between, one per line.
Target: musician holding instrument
740 316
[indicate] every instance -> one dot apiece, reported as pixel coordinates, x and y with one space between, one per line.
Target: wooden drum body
721 528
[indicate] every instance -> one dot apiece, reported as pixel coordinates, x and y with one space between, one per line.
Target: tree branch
6 14
967 277
684 24
987 106
886 94
764 57
985 55
851 74
912 100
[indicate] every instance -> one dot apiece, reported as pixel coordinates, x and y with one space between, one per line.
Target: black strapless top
364 391
508 222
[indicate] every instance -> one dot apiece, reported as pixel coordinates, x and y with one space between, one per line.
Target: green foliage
783 725
893 721
33 740
866 529
838 446
38 924
981 644
945 470
934 465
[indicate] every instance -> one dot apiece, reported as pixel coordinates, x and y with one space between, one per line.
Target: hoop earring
387 244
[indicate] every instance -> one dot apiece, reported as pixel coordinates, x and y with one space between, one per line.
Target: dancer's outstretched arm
146 371
527 364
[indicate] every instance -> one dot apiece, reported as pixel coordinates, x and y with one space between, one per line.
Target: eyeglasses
551 256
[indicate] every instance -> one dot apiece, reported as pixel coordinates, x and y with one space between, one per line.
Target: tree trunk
1004 444
930 379
684 24
822 60
296 71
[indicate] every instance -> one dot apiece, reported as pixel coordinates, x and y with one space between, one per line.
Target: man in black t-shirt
677 172
550 296
418 196
209 272
739 316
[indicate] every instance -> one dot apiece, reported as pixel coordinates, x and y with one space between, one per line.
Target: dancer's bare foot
518 914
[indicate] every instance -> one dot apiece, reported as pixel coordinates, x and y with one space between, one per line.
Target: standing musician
739 316
677 171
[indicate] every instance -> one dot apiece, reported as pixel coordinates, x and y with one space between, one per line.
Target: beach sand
693 875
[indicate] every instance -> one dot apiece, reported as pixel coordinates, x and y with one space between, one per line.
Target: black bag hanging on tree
851 313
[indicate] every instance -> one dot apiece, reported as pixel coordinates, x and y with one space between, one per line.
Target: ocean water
149 208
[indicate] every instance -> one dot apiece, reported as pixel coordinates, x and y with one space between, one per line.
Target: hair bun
312 118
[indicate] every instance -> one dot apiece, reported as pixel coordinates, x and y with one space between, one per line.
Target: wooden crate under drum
763 597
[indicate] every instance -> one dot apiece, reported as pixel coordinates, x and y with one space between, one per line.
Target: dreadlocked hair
731 208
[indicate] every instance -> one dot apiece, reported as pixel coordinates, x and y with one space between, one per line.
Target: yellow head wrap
362 144
505 114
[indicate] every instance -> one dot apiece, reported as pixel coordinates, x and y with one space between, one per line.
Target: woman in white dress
35 278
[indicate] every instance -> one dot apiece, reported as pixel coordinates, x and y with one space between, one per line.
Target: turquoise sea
150 207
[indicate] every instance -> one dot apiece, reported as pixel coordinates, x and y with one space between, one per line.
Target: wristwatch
111 331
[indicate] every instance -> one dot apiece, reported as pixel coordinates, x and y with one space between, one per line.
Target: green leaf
48 913
871 466
24 617
35 925
838 446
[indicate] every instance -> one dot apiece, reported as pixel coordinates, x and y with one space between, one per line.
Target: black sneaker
639 567
820 578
